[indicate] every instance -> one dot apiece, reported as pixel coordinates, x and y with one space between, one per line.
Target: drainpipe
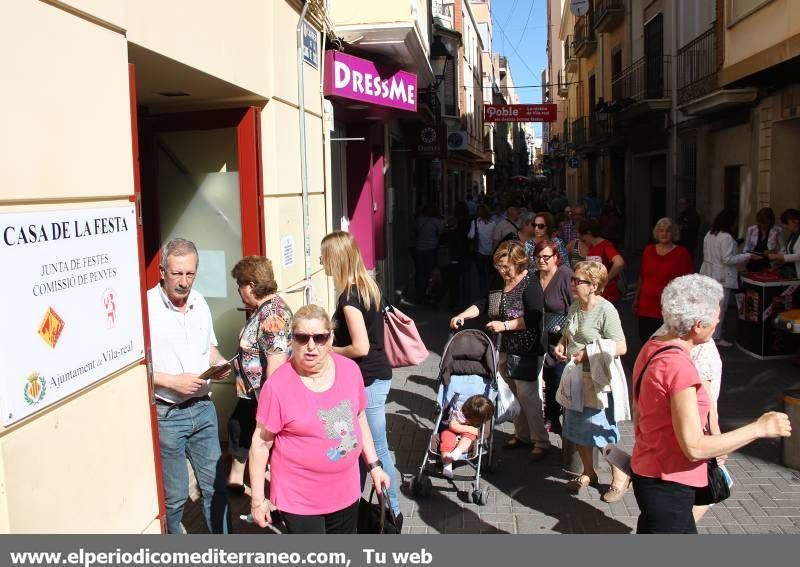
303 160
673 71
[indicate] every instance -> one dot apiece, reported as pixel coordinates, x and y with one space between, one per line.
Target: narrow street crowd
548 277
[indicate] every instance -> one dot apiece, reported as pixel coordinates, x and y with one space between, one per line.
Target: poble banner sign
520 113
72 305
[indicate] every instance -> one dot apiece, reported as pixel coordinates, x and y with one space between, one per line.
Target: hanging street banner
72 305
520 113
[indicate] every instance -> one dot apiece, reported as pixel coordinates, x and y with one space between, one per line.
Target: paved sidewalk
529 498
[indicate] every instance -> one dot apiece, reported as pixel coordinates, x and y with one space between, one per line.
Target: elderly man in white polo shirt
184 346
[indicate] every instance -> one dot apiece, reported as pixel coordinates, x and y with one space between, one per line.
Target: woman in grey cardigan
554 275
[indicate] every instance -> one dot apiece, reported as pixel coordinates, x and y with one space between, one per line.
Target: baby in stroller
462 429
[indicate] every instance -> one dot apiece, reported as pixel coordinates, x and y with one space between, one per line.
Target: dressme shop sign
353 78
72 311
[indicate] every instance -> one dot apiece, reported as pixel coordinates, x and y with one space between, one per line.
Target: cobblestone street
530 498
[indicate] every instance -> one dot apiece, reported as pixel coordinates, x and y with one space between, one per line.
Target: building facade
188 133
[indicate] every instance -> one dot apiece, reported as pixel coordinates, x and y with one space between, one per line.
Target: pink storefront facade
367 99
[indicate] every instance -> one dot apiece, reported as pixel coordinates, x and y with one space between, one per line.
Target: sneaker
447 470
723 343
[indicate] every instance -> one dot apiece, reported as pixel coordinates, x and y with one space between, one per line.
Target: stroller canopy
468 352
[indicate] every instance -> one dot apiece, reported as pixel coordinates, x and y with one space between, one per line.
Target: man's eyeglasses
303 338
543 257
540 226
577 281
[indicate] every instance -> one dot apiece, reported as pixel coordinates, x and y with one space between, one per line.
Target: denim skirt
591 427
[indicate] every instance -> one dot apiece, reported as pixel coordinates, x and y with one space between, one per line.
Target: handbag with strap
717 488
401 340
376 518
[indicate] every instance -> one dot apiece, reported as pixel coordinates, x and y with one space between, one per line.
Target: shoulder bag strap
638 384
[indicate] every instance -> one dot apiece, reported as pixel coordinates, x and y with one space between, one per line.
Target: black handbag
717 489
376 517
523 367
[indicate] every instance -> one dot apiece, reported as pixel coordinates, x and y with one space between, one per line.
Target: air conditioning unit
457 140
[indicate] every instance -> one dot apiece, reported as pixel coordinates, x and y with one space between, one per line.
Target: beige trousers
529 424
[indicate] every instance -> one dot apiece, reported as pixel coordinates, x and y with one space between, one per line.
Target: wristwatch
374 465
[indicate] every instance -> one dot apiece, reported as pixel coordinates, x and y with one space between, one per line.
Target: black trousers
344 521
241 426
666 507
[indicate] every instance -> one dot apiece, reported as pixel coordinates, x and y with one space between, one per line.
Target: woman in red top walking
671 410
661 263
601 250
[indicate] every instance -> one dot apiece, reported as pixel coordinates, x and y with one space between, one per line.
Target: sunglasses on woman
578 281
539 225
543 257
303 338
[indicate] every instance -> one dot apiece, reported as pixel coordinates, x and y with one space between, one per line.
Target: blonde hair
342 260
515 252
311 312
595 272
673 228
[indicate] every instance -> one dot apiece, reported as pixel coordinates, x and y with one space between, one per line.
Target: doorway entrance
201 181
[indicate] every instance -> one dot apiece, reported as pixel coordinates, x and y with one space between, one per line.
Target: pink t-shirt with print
314 461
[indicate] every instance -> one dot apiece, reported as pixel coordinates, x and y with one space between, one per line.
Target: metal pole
303 161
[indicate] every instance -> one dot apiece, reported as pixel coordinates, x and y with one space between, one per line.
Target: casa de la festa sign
74 312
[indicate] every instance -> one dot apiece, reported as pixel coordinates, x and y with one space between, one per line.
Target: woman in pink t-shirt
671 409
312 430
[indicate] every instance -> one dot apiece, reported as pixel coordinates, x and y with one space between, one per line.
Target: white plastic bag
507 403
570 390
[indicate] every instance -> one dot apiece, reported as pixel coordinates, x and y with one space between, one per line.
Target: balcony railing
603 127
608 14
443 12
697 67
646 79
570 61
585 41
563 87
580 131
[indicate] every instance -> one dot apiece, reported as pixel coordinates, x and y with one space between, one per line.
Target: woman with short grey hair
661 263
695 300
671 411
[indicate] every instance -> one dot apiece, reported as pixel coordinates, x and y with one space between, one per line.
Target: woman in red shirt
601 250
661 263
671 409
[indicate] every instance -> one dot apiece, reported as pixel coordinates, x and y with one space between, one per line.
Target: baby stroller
468 368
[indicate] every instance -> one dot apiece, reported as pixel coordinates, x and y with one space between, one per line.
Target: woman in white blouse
721 262
761 239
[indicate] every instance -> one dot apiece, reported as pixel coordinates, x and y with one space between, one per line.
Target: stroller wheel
420 486
480 497
426 487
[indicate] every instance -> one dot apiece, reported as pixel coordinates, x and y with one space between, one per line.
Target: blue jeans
377 393
192 432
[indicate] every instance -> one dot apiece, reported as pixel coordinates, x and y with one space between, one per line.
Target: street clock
579 7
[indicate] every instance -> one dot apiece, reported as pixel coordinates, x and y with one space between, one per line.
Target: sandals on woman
615 493
581 481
